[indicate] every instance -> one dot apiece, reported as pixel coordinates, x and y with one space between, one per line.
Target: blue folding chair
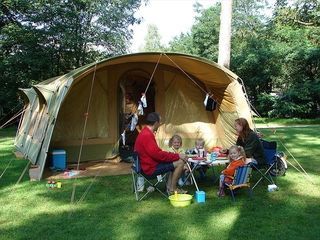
151 182
241 179
275 163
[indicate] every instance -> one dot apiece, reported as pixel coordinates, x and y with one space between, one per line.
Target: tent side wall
31 105
101 130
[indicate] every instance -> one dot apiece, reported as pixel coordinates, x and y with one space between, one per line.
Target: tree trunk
225 33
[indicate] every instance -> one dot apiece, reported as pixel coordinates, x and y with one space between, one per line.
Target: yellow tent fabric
56 109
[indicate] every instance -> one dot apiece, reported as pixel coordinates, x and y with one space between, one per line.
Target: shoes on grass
182 183
221 194
178 190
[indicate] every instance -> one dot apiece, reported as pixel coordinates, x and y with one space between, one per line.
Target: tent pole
23 172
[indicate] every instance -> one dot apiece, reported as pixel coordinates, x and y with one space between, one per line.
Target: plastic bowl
180 200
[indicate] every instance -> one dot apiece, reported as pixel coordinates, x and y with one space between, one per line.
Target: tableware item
198 158
201 153
213 156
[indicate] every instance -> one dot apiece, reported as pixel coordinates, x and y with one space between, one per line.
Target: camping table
196 163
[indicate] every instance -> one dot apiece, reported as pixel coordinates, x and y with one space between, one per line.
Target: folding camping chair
151 183
241 179
275 163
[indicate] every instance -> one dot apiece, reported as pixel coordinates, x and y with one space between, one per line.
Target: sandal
221 194
178 190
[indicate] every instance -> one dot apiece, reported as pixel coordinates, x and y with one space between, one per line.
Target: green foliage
43 39
152 40
295 38
205 33
252 60
265 104
182 44
204 37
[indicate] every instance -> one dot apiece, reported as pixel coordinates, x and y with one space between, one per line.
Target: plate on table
198 158
222 155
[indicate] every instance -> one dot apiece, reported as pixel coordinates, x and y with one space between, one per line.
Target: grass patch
285 121
29 210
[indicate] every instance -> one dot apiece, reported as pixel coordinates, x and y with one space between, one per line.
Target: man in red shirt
155 161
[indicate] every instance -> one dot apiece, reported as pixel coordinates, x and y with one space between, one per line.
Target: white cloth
123 136
134 121
206 100
140 109
144 100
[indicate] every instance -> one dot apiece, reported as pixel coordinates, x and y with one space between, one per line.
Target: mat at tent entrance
91 169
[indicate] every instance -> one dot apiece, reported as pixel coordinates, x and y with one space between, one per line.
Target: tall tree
225 33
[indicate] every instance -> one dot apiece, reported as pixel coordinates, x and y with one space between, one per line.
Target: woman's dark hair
245 127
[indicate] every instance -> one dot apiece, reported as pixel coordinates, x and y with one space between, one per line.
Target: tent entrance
132 85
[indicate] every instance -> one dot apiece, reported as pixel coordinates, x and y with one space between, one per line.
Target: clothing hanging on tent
144 100
134 122
210 103
123 136
140 109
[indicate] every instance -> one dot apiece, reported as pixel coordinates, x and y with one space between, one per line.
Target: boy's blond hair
200 140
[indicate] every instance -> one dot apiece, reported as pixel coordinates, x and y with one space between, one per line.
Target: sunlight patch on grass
226 219
302 185
32 200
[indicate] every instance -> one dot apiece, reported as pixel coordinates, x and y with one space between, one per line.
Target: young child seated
237 158
175 144
199 148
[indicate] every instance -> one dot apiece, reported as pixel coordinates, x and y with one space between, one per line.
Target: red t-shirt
150 154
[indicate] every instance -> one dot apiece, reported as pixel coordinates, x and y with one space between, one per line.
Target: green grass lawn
30 210
285 121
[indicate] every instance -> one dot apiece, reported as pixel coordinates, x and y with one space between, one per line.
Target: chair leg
135 186
232 195
260 179
250 192
263 176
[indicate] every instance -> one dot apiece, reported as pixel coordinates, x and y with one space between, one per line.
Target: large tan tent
84 108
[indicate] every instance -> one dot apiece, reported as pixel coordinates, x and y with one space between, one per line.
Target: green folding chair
152 183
